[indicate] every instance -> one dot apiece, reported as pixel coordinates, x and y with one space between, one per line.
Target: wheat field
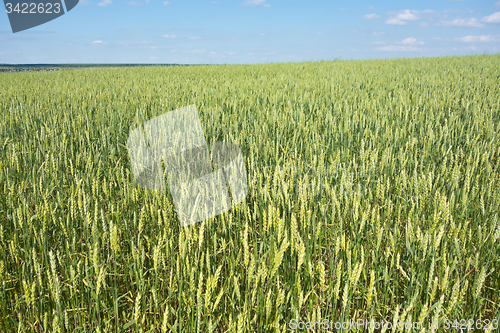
374 193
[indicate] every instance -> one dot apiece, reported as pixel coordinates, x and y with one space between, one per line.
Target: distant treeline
51 67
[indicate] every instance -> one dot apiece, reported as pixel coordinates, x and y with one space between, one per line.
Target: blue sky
254 31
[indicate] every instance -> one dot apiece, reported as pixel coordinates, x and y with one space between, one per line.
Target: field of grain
374 193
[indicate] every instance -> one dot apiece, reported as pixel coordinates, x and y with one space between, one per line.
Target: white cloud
493 18
3 38
406 45
262 34
397 48
473 39
403 16
135 3
411 41
371 16
378 33
98 42
318 33
497 4
152 58
195 37
105 3
154 47
199 51
472 23
255 3
472 47
395 21
166 3
169 36
84 2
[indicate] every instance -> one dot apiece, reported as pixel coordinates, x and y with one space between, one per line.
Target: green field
374 193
